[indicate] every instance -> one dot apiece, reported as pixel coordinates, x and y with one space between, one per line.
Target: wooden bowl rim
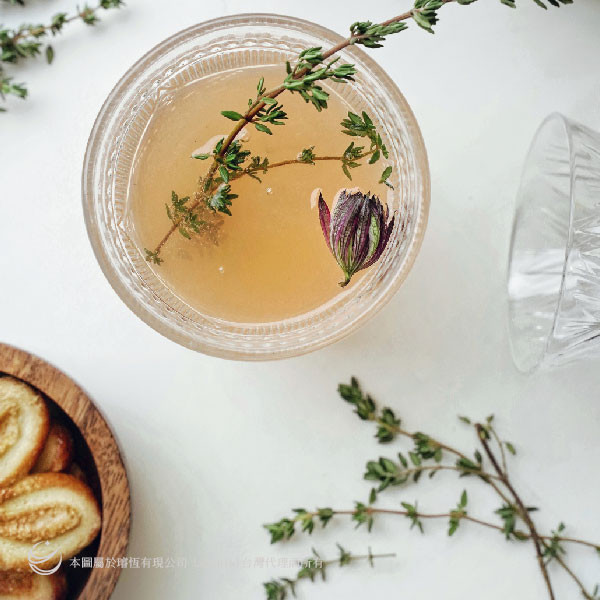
114 485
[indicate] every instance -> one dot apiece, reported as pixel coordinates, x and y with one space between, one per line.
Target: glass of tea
554 267
261 283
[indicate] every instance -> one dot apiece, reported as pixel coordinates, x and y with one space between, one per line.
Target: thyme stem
483 436
433 468
277 589
371 510
404 513
38 30
572 541
87 14
502 453
296 161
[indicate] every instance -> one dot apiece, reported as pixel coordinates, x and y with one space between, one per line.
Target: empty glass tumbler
554 265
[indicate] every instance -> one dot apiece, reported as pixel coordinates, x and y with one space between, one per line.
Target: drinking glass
209 49
554 265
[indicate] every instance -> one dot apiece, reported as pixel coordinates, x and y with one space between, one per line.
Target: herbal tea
269 260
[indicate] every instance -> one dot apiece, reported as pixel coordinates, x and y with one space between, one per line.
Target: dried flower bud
357 232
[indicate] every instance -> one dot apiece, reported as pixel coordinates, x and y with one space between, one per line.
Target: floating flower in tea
357 232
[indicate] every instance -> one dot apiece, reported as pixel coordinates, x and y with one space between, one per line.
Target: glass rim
565 123
95 141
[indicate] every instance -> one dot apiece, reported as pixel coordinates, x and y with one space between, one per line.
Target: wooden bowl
104 467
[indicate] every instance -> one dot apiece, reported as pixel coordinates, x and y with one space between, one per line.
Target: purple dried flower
357 232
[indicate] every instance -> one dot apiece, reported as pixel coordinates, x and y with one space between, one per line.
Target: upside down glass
216 47
554 265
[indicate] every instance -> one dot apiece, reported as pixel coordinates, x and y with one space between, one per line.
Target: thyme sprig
236 162
29 40
314 567
365 513
312 67
428 455
425 447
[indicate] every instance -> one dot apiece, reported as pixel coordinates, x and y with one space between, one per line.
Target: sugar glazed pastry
21 585
44 496
24 425
51 507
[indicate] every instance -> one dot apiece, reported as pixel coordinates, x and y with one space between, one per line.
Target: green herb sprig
428 455
29 41
235 163
314 567
312 67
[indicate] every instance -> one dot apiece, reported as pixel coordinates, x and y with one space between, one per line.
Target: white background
214 448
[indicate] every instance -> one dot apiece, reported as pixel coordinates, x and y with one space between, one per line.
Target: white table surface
214 448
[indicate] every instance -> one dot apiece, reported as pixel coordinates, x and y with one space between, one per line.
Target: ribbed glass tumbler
554 265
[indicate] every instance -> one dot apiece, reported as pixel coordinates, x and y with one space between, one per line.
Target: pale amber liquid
271 261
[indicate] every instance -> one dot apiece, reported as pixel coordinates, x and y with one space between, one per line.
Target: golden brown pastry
46 507
57 453
24 425
21 585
